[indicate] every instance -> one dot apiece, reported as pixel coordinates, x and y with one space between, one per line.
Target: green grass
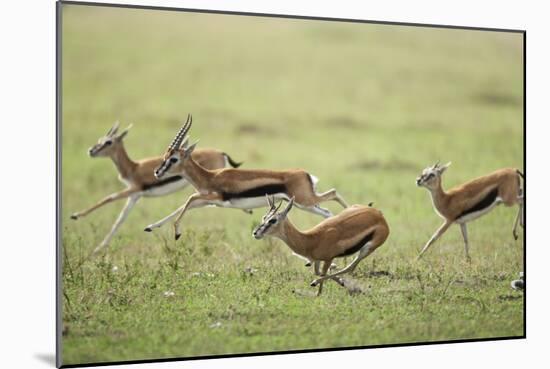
363 107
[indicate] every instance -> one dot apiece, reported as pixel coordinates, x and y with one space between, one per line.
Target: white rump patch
314 180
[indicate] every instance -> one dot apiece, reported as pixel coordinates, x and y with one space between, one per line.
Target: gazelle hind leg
464 231
332 195
315 209
121 218
519 218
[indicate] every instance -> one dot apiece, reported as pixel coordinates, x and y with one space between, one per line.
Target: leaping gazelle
472 199
358 229
237 188
139 177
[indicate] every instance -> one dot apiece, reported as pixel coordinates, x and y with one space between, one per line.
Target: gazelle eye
108 142
272 221
173 159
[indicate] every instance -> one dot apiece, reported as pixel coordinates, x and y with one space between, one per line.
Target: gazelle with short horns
358 229
237 188
139 177
472 199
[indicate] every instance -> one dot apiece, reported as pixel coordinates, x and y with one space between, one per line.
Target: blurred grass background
364 107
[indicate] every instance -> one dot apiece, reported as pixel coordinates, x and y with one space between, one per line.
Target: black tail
233 163
520 173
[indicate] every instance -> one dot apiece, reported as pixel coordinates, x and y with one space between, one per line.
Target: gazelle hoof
178 235
314 283
308 264
148 229
75 217
515 236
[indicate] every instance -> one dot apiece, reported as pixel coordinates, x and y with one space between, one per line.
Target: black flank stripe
357 246
161 182
260 191
484 203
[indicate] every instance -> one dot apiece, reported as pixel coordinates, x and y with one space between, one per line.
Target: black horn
181 133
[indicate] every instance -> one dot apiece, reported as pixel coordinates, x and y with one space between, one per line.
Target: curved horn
270 201
181 133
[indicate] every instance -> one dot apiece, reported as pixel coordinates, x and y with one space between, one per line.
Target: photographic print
236 184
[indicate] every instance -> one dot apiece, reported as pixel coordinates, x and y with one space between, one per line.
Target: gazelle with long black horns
138 175
237 188
472 199
358 229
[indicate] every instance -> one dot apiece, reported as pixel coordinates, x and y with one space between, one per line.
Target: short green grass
363 107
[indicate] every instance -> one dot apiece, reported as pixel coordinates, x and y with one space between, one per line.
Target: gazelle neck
439 197
196 174
123 163
296 240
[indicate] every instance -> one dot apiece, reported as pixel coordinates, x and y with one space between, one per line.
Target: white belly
477 214
166 189
250 202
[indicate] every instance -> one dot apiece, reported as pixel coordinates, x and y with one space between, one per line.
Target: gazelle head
272 221
431 176
177 153
106 145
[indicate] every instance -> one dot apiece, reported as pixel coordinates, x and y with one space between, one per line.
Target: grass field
363 107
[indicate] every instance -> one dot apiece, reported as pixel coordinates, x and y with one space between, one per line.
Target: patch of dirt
510 297
251 128
495 98
394 164
344 122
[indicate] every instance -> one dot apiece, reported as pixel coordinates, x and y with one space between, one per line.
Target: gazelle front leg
435 236
326 266
465 236
112 197
196 200
363 253
164 220
121 218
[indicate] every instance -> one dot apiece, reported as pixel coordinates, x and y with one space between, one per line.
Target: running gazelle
357 229
472 199
138 175
237 188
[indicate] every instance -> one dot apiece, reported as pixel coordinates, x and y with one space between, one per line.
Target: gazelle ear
184 143
113 129
189 150
443 168
124 133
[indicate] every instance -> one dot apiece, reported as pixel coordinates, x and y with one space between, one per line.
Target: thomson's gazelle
472 199
358 228
138 175
237 188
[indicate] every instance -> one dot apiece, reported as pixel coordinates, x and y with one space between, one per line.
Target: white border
28 181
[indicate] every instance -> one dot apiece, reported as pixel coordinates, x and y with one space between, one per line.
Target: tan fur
329 239
333 236
234 180
452 205
211 185
137 175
